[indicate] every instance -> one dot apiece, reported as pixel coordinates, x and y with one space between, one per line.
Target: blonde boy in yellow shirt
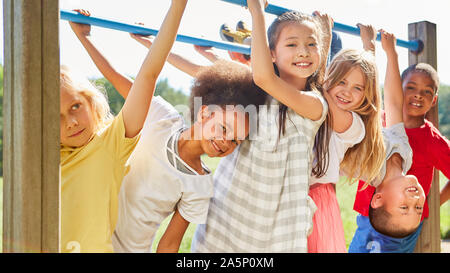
95 148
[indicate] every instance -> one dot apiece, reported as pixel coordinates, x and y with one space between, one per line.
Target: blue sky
204 17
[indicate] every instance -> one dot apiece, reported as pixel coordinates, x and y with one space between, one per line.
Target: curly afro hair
226 83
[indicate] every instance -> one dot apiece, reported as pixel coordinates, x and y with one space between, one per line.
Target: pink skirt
328 231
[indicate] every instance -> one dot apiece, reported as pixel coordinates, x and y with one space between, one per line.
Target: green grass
1 214
445 211
345 195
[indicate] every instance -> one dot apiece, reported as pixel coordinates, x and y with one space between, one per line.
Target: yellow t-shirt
91 176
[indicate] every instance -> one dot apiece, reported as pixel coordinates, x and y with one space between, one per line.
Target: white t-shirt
339 144
154 188
395 141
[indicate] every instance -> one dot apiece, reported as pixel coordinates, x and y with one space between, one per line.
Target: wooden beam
430 237
31 135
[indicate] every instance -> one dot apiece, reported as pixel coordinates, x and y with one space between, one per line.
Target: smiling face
76 119
349 91
403 198
297 52
222 130
419 94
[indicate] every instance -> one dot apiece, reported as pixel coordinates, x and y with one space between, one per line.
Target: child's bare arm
445 193
342 120
303 103
83 32
326 23
139 99
171 240
174 59
393 92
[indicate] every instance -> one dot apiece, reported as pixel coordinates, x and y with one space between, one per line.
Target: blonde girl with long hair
354 136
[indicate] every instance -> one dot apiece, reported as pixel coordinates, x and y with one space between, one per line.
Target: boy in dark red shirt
430 148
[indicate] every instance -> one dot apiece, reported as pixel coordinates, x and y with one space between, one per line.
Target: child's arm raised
303 103
393 92
138 101
118 80
171 240
326 23
174 59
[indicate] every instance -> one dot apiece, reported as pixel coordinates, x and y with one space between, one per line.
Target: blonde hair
365 159
96 98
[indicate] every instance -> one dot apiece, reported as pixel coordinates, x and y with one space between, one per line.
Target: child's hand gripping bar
415 46
105 23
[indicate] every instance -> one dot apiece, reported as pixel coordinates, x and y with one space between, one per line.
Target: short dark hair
226 83
426 69
380 221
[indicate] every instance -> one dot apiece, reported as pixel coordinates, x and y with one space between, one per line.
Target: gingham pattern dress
261 201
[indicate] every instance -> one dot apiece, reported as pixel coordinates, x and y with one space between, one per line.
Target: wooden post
430 238
31 126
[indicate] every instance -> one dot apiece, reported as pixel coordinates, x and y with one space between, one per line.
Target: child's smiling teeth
416 104
343 100
412 189
216 147
302 64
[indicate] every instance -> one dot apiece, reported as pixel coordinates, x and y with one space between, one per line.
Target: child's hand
257 4
202 49
388 42
368 36
207 52
143 39
81 29
326 21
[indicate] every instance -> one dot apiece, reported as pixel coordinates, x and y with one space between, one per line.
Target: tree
444 110
163 89
114 98
171 95
177 97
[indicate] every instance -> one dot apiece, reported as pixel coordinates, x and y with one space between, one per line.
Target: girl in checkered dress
261 201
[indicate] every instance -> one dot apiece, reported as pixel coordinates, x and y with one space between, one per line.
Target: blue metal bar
414 45
100 22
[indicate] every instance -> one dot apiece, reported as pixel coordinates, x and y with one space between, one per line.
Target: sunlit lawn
345 194
346 197
1 213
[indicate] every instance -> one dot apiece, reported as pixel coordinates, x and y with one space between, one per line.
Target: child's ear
273 56
377 200
434 101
